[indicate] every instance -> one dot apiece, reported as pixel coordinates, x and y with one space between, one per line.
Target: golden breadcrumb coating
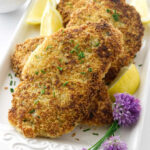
62 79
123 17
22 52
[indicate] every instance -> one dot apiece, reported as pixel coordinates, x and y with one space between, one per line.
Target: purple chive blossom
126 109
114 143
84 149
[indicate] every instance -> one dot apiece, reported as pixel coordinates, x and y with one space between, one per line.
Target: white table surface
8 24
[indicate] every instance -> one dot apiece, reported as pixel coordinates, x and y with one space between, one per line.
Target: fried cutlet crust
66 7
129 23
52 101
22 52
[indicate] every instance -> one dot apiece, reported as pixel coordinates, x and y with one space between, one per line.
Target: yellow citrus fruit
142 7
127 81
51 21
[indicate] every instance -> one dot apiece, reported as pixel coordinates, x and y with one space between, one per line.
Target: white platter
10 139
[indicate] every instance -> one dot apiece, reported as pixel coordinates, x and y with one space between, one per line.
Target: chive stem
109 133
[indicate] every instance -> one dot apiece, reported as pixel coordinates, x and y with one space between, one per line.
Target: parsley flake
82 72
108 10
81 55
11 82
43 91
36 72
42 71
48 47
10 75
85 130
32 111
59 68
140 65
11 90
115 16
65 83
95 134
90 69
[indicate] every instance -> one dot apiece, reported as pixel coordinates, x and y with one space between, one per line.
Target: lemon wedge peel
51 20
36 12
142 7
128 81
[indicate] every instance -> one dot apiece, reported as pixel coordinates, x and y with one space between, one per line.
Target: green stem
109 133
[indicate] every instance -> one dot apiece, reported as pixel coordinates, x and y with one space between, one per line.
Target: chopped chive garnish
10 75
59 68
53 93
108 10
85 130
96 44
62 31
82 72
36 102
82 61
71 41
43 91
14 83
72 51
11 90
81 55
135 56
11 82
43 71
36 72
32 111
95 134
115 16
48 47
140 65
65 83
38 117
60 60
90 69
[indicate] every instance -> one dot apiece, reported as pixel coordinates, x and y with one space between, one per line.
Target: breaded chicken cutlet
66 7
62 79
22 52
123 17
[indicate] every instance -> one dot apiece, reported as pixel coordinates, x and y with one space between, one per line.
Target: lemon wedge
51 21
142 7
127 81
36 12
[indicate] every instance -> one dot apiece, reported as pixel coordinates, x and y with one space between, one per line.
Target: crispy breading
22 52
66 7
62 79
122 16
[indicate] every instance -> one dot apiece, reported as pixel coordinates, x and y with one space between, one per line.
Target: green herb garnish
42 71
108 10
10 75
53 93
90 69
96 44
82 61
81 55
115 16
65 83
95 134
48 47
11 82
140 65
85 130
82 72
43 91
36 72
59 68
32 111
11 90
36 102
